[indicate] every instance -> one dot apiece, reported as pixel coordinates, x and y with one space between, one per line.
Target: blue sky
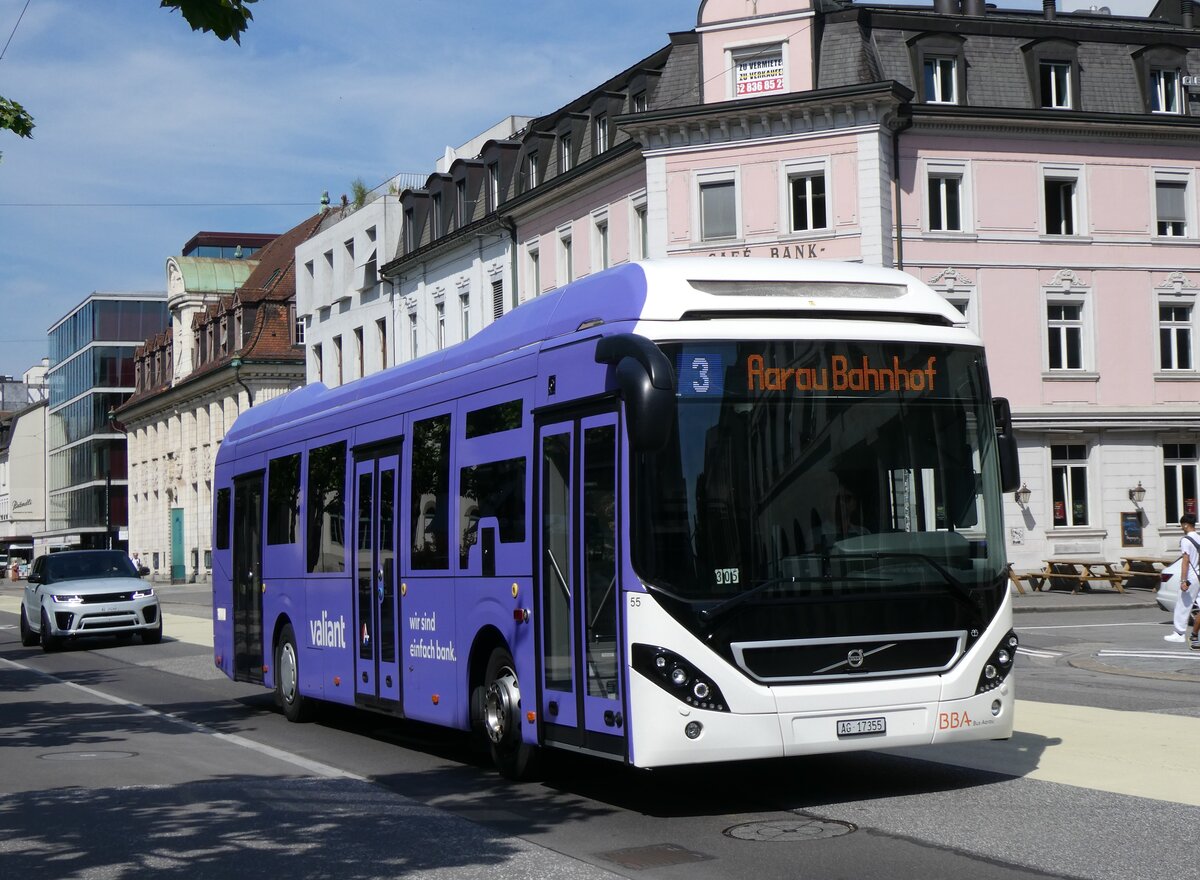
160 132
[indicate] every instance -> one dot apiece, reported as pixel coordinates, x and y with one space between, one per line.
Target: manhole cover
86 756
658 856
801 828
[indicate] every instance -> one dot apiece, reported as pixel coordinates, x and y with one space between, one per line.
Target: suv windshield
821 469
86 564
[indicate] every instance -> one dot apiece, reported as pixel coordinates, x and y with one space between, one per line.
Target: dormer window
941 83
1054 79
1164 91
939 68
564 152
1160 72
600 134
1053 68
531 169
460 203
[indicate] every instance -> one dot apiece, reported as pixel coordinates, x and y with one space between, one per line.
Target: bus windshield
821 468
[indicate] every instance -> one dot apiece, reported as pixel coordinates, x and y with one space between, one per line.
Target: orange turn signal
531 717
435 699
337 681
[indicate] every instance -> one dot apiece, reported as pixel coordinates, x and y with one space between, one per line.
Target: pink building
1036 167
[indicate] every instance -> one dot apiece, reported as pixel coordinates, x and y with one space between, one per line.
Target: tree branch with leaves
224 19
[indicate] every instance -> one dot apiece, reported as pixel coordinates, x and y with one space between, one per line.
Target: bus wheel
296 707
502 718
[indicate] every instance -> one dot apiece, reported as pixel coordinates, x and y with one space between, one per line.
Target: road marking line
1038 652
315 767
1174 655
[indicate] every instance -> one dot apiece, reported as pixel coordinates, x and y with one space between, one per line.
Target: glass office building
91 374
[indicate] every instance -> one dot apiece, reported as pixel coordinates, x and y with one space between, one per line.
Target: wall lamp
1137 495
1022 495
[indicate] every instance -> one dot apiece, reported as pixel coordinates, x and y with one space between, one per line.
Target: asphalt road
118 758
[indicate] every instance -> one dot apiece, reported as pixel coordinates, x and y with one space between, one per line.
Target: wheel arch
487 640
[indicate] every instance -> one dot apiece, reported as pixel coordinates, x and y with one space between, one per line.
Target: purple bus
679 511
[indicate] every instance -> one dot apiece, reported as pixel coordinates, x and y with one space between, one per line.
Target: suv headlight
68 600
143 594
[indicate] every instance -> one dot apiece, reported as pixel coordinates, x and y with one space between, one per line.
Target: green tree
225 19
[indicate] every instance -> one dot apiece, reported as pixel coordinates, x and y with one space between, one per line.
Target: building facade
231 344
22 479
1038 168
91 373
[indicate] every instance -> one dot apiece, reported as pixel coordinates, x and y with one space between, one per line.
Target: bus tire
514 758
28 637
296 707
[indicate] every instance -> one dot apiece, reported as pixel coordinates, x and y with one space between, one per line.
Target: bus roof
651 290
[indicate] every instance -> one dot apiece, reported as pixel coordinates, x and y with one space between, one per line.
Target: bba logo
953 720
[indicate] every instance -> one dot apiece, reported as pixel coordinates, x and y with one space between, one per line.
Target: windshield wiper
957 589
718 610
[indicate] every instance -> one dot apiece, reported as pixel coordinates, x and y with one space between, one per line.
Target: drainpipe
511 225
905 123
1187 14
236 363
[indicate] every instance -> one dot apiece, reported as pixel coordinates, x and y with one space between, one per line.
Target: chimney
946 7
1048 9
975 8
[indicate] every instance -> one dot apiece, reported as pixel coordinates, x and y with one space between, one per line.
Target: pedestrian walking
1189 583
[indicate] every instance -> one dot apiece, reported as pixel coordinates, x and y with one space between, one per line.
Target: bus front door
376 600
247 578
579 646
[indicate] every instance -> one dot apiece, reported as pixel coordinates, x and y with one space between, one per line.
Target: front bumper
70 620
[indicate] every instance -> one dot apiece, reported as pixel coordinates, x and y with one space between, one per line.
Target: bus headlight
681 679
999 665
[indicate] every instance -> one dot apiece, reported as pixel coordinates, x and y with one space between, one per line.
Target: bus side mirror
647 383
1006 446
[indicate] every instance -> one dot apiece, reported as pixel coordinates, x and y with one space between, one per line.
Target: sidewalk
1095 600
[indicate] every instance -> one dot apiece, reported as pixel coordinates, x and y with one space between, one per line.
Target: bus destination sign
841 374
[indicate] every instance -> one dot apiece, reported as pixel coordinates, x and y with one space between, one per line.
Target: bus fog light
995 707
1003 657
989 671
660 662
700 690
693 729
678 677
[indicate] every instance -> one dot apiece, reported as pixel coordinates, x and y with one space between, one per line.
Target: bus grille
849 658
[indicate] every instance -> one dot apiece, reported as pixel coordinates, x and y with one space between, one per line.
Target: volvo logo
855 658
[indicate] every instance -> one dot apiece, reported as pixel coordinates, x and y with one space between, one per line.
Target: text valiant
328 633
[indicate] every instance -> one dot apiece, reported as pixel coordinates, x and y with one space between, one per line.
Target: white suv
87 593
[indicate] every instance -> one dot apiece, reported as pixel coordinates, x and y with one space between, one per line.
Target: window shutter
497 299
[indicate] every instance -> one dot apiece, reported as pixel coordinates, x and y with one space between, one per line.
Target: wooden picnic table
1145 571
1082 573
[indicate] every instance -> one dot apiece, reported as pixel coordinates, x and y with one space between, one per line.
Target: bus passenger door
376 599
581 690
247 578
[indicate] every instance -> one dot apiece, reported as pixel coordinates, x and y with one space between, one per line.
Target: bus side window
326 501
495 489
429 493
222 525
